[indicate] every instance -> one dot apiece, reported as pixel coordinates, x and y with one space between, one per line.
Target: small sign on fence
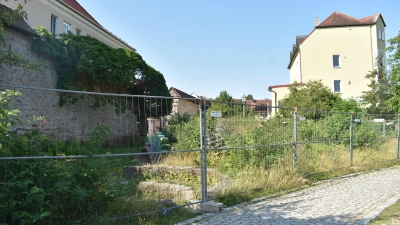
302 118
357 120
216 114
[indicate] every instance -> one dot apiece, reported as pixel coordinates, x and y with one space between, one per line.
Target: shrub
49 190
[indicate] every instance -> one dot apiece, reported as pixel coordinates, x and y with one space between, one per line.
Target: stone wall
21 44
72 120
183 106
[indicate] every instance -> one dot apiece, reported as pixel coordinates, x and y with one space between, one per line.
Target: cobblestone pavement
354 199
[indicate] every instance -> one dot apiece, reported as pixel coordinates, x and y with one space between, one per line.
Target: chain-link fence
73 155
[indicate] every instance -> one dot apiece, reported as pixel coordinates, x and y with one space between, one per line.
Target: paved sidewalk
355 199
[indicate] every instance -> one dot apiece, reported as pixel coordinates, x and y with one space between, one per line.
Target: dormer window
381 34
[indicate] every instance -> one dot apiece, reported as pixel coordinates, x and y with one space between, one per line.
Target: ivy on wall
85 63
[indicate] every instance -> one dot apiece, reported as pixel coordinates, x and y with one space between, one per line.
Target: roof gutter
301 72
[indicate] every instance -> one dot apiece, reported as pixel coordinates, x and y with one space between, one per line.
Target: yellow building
61 16
340 51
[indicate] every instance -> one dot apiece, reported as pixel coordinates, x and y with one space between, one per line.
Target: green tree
225 104
394 63
376 98
249 97
224 96
312 95
350 105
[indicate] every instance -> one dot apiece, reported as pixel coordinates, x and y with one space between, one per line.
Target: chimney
317 21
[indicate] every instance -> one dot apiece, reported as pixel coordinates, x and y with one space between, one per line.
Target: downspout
301 73
276 98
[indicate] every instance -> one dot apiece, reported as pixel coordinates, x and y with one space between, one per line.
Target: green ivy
85 63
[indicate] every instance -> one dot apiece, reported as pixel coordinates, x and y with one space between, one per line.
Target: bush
49 190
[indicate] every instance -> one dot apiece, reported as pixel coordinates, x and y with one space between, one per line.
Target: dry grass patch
390 215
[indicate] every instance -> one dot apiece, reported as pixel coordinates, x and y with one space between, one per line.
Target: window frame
65 24
338 60
339 82
53 24
78 31
381 34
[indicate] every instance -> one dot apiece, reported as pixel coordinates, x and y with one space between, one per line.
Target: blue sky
235 45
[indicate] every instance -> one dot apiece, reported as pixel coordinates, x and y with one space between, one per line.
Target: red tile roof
369 19
258 102
181 93
338 19
77 7
373 19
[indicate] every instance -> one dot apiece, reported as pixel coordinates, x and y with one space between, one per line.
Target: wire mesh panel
375 138
68 156
92 156
322 140
244 147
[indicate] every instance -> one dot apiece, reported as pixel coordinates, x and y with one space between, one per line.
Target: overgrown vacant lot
70 182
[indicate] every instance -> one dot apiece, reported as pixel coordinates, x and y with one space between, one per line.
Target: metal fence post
398 136
351 137
384 128
201 121
204 153
294 138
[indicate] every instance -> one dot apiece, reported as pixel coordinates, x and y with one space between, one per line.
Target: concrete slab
213 207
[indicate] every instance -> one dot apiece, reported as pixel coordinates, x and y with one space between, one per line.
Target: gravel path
355 199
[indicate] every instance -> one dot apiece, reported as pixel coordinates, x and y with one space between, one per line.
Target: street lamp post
244 104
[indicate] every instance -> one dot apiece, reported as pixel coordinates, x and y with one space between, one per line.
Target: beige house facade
61 16
340 51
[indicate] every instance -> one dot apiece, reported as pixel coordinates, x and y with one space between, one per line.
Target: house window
78 32
53 25
67 27
336 86
381 34
336 60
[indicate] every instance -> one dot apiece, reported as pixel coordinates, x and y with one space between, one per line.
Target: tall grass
314 162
